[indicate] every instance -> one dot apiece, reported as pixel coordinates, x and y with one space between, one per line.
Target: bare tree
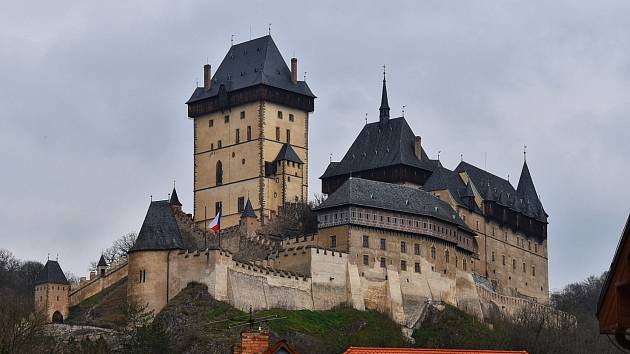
118 250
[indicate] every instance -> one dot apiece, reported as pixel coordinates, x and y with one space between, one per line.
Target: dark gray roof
251 63
159 230
51 273
384 109
102 262
381 145
492 187
174 199
248 212
287 153
389 196
468 192
445 179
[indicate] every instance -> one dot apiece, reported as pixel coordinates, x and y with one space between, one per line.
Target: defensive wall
97 283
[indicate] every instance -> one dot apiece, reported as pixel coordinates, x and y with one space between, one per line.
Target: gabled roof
445 179
251 63
174 199
159 230
381 145
102 262
51 273
248 212
287 153
495 188
389 196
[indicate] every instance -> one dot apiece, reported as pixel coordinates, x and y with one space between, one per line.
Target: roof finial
305 75
151 197
232 40
508 177
269 29
173 184
403 110
384 115
330 157
48 256
366 118
57 258
461 157
439 152
524 153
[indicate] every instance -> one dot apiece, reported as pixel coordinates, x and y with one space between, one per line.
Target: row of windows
43 287
403 264
226 118
291 117
237 138
503 261
143 276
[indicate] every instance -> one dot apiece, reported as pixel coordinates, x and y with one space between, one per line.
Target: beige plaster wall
50 298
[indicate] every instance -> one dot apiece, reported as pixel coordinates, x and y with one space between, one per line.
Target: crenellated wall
97 283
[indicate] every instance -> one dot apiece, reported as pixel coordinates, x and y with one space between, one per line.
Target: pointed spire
248 211
384 116
526 186
174 200
102 262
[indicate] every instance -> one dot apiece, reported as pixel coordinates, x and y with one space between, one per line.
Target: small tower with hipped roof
52 293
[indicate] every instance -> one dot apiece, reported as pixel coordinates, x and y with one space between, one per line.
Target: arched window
433 252
219 173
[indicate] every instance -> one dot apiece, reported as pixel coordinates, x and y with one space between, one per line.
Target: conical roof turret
174 201
384 109
248 211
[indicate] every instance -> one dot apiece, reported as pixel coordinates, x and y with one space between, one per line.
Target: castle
397 231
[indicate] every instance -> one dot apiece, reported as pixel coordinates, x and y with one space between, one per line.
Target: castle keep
397 232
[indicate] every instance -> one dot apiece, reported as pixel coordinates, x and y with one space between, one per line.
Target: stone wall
89 288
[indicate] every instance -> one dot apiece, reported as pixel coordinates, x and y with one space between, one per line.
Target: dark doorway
57 317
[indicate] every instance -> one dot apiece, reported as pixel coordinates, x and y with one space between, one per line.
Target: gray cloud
93 119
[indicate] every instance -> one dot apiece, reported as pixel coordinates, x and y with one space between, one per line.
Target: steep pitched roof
159 230
248 211
174 199
287 153
251 63
381 145
389 196
51 273
526 187
492 187
102 262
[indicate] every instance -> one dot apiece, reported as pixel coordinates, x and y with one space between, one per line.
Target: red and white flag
215 224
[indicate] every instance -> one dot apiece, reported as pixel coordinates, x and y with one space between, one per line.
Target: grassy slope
105 309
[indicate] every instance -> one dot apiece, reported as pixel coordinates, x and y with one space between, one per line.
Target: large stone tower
52 291
250 134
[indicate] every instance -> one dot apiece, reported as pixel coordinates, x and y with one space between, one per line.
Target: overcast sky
93 120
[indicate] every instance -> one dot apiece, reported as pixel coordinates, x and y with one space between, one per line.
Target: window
333 241
366 259
477 224
447 256
382 262
219 144
433 252
493 256
403 247
416 268
210 123
277 133
403 265
514 264
143 276
464 263
249 133
523 267
505 236
241 204
211 146
291 118
238 136
226 119
366 241
533 271
219 173
217 207
279 114
503 259
416 249
536 247
242 114
383 244
529 245
288 136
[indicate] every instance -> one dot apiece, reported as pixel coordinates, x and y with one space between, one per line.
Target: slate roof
248 212
251 63
381 145
102 262
492 187
287 153
174 199
445 179
51 273
159 230
389 196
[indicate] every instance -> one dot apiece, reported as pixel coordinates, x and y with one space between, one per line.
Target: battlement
86 288
298 240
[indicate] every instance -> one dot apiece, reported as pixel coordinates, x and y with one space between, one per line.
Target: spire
384 116
526 186
174 201
248 211
102 262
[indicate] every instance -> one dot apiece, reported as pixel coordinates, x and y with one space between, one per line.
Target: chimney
207 77
418 148
252 343
294 70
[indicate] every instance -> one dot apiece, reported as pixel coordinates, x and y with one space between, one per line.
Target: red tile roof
367 350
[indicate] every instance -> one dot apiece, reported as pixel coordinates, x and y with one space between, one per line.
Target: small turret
101 267
174 200
52 292
249 221
384 109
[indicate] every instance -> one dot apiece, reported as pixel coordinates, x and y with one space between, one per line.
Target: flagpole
205 227
219 234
